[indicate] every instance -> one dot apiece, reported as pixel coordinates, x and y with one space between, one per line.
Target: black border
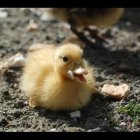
70 3
70 135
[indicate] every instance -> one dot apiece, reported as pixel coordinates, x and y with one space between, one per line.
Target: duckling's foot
95 35
82 37
32 103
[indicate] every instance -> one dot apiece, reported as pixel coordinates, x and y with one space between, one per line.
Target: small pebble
25 11
46 17
124 67
122 124
14 130
3 122
98 129
76 114
17 114
19 104
118 129
32 26
6 92
15 86
53 130
128 24
9 118
3 14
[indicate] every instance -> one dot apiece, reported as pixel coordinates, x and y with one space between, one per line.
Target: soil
115 63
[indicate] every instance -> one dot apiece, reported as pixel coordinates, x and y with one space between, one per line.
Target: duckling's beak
80 71
78 74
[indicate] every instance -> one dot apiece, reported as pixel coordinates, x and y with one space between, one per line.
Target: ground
115 63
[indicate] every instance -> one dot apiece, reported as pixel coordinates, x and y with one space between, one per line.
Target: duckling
83 18
58 78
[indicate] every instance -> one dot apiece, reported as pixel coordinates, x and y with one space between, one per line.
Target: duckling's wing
38 64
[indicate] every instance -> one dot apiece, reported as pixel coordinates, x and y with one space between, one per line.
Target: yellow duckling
58 78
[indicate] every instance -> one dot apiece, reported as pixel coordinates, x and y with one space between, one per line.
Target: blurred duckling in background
82 18
58 78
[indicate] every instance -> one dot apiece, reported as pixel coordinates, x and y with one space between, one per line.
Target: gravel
116 63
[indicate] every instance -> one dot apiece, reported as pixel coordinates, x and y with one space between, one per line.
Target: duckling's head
69 63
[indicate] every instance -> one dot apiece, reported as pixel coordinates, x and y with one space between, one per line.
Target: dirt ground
115 63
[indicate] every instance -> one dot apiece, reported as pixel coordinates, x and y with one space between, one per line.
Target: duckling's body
46 83
83 17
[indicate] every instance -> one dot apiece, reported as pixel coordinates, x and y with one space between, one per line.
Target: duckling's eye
82 56
65 59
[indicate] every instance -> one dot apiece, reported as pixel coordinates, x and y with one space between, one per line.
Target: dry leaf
17 60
